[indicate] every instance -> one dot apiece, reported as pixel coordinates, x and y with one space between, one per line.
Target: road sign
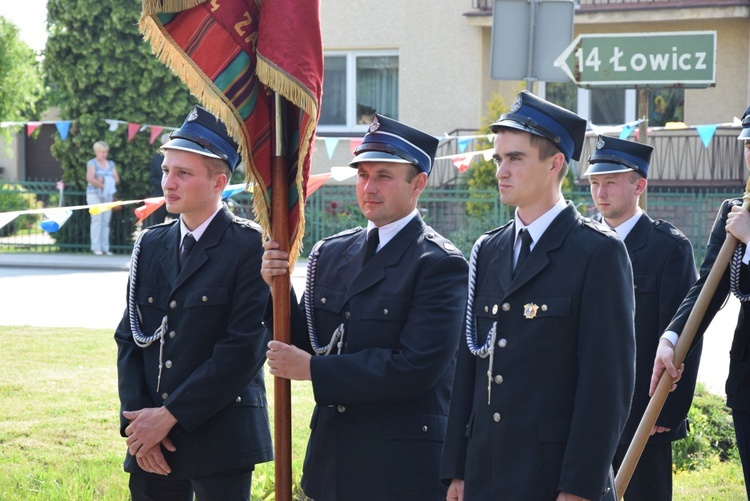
681 58
526 36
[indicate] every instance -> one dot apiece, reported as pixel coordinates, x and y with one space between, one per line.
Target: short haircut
546 149
217 166
100 146
412 173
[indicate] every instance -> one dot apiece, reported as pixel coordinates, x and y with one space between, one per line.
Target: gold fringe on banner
167 51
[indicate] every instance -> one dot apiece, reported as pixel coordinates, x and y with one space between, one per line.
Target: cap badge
600 144
375 125
516 105
529 310
192 116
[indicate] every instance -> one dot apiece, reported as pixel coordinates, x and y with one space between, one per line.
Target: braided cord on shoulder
336 338
734 273
471 339
134 313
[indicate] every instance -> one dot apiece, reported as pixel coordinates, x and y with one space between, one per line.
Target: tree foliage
21 82
99 66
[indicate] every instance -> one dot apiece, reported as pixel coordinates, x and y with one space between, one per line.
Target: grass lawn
59 438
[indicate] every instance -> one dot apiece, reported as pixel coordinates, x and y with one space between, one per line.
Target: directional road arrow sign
682 58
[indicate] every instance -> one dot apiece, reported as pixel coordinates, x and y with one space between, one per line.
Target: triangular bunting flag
113 124
31 127
155 131
331 143
55 220
342 173
627 129
462 162
63 128
315 181
6 218
132 130
463 143
151 204
706 132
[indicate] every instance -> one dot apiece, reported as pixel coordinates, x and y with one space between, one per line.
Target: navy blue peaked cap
745 133
206 135
533 114
389 140
614 155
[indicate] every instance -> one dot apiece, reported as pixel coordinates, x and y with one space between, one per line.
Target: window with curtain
607 106
356 85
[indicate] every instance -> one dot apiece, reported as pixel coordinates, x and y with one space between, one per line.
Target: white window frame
351 88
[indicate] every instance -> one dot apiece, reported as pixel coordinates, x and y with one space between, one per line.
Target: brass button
172 334
238 399
173 304
150 299
502 343
323 300
164 396
497 417
499 379
506 306
168 364
385 311
204 298
341 408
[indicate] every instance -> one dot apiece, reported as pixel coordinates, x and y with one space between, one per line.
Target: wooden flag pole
281 306
642 433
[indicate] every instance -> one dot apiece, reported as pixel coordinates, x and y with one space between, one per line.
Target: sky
30 16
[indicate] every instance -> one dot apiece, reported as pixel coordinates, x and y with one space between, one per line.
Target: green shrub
711 434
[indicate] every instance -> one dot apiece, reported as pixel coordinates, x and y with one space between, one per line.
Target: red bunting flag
155 131
31 127
133 130
316 181
149 207
234 55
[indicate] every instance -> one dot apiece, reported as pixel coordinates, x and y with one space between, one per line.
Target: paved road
89 291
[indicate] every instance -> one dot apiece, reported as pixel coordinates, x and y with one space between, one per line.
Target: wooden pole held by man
281 307
682 348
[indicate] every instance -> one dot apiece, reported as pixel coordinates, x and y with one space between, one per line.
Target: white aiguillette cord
134 313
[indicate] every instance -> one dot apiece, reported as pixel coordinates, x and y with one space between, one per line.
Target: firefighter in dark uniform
545 375
377 334
663 272
191 345
734 219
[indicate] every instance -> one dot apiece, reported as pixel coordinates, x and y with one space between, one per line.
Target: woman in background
102 179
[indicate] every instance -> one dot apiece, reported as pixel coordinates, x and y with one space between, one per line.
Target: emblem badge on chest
529 310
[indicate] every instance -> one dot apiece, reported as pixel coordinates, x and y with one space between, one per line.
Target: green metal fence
459 214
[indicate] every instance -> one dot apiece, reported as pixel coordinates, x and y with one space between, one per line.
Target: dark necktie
188 242
525 249
373 239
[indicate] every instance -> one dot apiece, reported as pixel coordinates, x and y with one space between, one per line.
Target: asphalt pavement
84 290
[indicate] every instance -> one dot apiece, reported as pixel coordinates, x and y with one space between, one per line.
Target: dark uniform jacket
663 272
214 347
563 367
382 405
738 381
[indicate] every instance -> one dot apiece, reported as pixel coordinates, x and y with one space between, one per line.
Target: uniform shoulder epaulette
442 242
345 233
669 229
499 228
165 224
598 226
350 231
247 223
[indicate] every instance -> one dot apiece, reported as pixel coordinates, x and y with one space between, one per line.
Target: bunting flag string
56 217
